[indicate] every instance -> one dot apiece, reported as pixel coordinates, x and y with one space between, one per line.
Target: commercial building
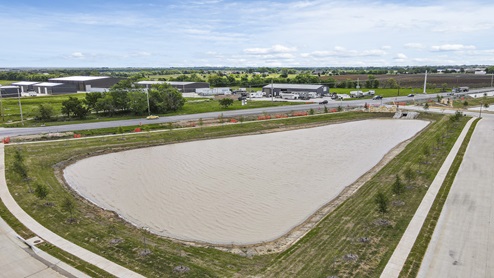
9 91
276 89
148 84
50 88
25 86
188 87
88 83
184 87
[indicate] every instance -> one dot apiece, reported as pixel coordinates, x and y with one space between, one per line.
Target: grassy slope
313 256
414 260
320 254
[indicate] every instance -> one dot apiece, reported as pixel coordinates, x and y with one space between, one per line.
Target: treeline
121 98
259 80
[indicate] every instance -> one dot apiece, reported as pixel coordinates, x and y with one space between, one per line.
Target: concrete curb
397 260
47 235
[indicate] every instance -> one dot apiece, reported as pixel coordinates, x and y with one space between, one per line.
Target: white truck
289 96
258 94
356 94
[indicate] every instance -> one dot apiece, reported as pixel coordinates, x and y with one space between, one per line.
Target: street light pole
1 105
147 94
272 92
20 106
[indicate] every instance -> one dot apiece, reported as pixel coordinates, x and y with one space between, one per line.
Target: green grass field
320 253
11 111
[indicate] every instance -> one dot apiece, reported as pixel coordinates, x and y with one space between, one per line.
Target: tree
137 102
44 112
91 99
225 102
41 191
69 206
81 111
105 104
444 87
382 202
409 175
164 98
18 164
74 106
69 105
398 186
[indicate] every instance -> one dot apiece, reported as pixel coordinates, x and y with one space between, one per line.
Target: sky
240 33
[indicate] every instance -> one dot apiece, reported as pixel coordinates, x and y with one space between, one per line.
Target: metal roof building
184 87
9 91
88 83
50 88
25 86
309 88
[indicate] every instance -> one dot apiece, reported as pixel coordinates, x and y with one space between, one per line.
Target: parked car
411 95
377 97
324 102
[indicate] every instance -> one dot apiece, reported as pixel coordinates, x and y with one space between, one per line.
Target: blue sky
245 33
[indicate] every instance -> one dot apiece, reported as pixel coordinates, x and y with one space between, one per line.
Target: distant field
6 82
417 80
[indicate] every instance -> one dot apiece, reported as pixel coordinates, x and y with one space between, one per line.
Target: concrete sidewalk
53 238
17 260
463 239
397 260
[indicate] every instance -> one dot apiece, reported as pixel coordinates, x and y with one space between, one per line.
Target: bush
398 186
382 202
225 102
41 191
44 112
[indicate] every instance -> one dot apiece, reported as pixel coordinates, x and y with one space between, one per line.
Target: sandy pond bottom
239 190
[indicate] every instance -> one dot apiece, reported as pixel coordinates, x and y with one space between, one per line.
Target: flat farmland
417 80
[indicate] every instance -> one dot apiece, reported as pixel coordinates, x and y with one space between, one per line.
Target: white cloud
77 55
273 49
414 46
400 57
343 52
140 54
452 47
247 33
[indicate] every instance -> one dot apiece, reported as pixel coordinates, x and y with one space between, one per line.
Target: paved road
463 242
5 132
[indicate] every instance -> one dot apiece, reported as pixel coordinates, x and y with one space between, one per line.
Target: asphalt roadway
7 132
